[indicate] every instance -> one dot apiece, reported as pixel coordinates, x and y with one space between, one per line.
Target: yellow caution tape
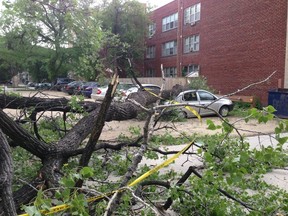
189 108
165 163
63 207
52 210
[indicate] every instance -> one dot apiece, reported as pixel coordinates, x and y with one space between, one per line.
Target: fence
169 82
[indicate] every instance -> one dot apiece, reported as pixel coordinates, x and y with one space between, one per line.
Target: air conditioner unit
192 23
151 35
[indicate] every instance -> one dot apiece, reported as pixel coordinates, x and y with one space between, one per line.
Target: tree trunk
6 173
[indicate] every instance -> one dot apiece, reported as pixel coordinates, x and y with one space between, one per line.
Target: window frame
150 52
170 71
191 68
191 44
170 22
151 29
150 72
169 48
192 14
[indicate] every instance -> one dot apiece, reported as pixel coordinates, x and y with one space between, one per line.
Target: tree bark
6 173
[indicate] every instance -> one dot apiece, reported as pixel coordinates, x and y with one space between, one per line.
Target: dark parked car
72 87
61 82
86 88
42 86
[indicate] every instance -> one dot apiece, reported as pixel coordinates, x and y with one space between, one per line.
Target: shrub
200 83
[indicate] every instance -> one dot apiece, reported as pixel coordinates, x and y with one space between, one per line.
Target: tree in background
79 36
128 20
62 27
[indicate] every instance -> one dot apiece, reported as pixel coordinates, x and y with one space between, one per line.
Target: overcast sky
154 3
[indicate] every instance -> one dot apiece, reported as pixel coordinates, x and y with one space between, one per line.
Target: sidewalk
278 177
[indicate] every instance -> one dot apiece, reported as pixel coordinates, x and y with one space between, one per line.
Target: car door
192 98
205 98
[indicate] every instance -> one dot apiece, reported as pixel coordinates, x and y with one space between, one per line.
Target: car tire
182 114
224 110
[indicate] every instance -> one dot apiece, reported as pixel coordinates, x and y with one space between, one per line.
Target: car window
190 96
205 96
125 86
152 87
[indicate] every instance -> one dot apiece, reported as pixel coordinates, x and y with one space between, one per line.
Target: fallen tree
80 143
54 155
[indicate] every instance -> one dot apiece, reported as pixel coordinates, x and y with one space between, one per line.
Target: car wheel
182 114
224 110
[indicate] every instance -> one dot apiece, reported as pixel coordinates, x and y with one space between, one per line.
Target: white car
99 92
148 87
204 102
123 90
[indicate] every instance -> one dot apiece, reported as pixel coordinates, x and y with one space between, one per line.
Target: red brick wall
241 42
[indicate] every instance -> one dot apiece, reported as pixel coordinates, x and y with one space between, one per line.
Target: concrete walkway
278 177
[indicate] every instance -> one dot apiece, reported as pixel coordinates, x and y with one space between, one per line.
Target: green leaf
227 127
211 125
270 109
68 182
87 172
208 157
282 140
31 211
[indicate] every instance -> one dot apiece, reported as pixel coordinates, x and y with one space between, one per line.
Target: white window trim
170 22
151 30
170 71
192 14
169 48
192 44
192 70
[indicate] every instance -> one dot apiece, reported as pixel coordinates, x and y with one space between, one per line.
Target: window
170 22
192 14
191 70
150 73
150 52
205 96
151 29
170 72
169 48
190 96
191 44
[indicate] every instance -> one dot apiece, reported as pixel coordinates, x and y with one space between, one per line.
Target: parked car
136 88
200 99
99 92
61 82
86 88
42 86
71 87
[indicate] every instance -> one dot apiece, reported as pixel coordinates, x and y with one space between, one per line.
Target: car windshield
125 86
121 86
90 83
75 83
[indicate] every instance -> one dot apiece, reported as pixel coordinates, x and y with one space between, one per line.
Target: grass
241 109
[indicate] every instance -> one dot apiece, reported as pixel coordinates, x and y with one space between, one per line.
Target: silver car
204 102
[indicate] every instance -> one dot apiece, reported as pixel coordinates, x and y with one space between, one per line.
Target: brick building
233 43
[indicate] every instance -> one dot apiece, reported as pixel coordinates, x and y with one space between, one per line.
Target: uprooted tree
66 162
